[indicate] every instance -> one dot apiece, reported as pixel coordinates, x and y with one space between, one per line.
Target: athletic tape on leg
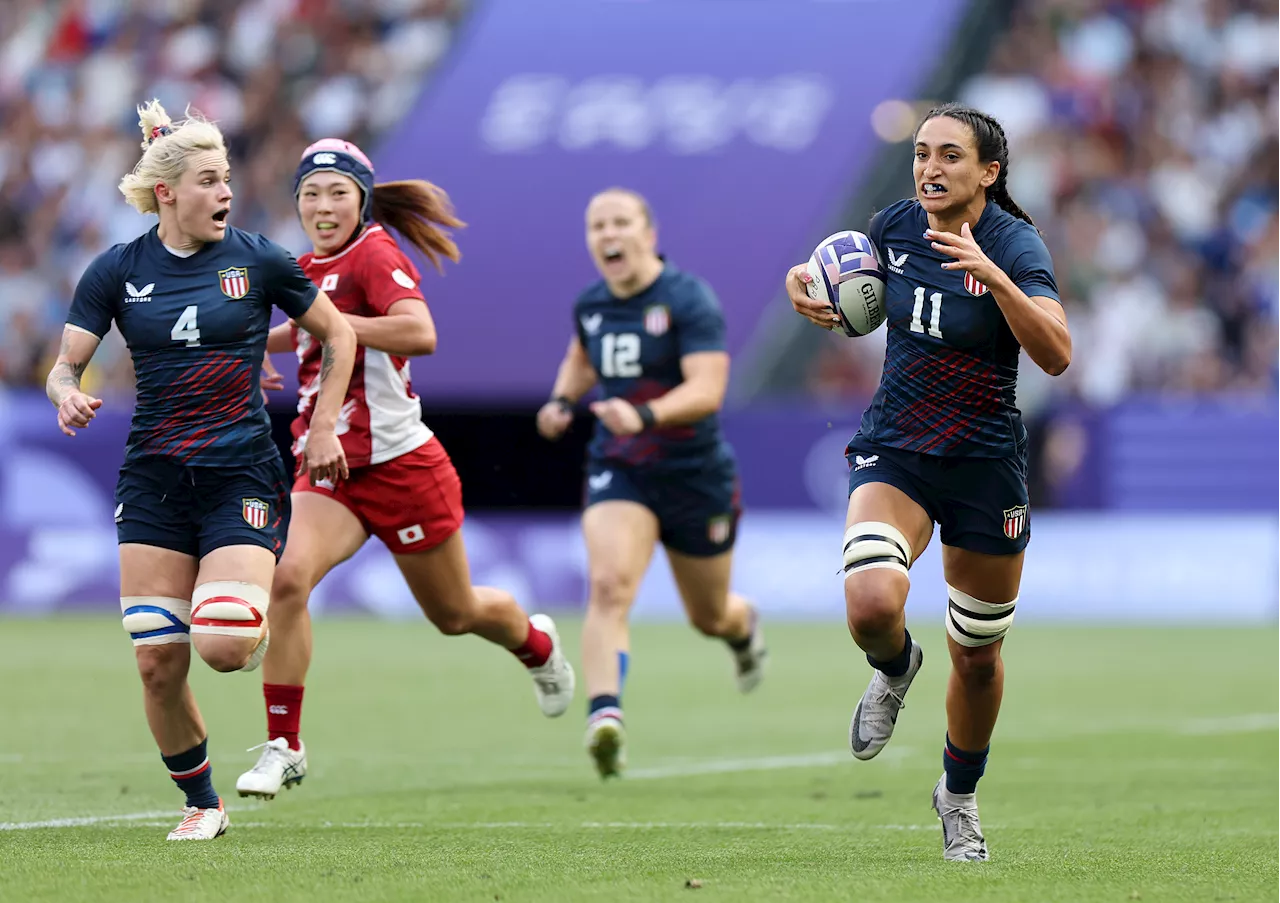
972 622
156 620
229 608
873 544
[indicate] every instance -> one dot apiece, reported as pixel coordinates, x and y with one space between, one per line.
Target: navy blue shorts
697 508
194 510
979 504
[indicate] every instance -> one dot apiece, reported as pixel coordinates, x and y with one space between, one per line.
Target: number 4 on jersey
185 330
935 314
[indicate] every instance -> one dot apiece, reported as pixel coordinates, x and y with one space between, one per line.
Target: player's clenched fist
76 410
554 418
814 310
324 458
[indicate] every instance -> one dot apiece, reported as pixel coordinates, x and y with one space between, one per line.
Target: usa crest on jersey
234 282
657 319
254 512
1015 521
973 286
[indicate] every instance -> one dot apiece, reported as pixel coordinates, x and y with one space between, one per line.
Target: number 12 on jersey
935 313
620 355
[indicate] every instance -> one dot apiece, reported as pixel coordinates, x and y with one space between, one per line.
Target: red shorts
412 503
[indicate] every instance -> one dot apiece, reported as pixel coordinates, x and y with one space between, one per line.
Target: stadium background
1144 142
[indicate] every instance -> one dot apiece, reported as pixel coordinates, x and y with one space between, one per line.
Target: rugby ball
845 271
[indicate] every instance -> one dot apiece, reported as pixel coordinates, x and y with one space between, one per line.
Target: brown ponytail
422 213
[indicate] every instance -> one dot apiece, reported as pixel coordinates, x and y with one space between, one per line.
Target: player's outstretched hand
76 410
814 310
968 256
324 457
618 415
269 379
553 419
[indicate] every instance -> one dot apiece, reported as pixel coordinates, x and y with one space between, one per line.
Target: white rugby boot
607 742
962 839
750 662
554 681
278 767
877 711
201 824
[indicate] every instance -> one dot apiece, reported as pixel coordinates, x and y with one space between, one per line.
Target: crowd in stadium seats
275 74
1144 144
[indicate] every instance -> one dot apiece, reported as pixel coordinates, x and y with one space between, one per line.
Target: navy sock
898 665
596 703
193 774
963 768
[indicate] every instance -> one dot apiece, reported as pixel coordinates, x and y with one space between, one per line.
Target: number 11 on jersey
935 313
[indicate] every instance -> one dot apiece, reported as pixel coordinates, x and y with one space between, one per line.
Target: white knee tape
229 608
872 544
972 622
156 620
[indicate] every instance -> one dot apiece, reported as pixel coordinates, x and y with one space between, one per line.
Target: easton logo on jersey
657 319
254 512
1015 521
234 282
973 286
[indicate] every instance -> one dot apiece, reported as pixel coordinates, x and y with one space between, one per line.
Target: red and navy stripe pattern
191 411
943 402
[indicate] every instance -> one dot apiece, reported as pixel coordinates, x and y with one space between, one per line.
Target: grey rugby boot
962 839
877 710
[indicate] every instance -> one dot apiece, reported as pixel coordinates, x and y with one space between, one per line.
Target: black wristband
646 416
564 402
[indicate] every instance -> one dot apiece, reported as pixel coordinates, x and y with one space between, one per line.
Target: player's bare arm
1038 323
407 329
324 456
706 379
280 338
574 379
75 408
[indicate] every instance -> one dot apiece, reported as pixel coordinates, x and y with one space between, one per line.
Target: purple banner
744 123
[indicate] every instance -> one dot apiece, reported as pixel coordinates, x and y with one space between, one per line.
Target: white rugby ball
846 272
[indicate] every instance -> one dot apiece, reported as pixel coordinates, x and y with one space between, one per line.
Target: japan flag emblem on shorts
1015 521
254 512
973 286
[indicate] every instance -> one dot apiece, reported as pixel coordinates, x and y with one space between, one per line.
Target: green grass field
1129 764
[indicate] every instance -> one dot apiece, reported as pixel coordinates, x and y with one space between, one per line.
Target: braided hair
992 146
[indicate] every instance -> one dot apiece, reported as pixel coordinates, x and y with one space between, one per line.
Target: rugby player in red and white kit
402 486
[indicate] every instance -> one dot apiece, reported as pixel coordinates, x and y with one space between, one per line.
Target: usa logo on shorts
234 282
657 320
718 529
973 286
254 512
1015 521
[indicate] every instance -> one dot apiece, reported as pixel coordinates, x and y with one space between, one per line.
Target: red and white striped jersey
381 418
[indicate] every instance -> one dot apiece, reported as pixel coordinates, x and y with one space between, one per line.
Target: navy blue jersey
197 330
635 345
951 363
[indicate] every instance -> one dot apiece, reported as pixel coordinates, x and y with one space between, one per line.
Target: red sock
284 712
536 649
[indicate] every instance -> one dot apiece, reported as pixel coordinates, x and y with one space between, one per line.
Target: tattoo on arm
64 379
326 360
